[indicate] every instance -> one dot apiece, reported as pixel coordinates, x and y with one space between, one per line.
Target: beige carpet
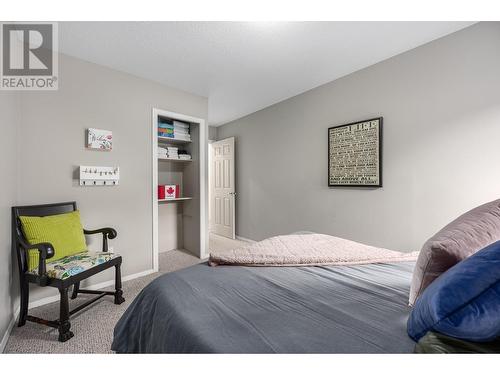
93 327
219 243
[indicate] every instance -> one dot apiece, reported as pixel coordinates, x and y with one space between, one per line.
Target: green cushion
64 232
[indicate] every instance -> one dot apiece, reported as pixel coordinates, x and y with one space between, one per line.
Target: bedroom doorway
222 194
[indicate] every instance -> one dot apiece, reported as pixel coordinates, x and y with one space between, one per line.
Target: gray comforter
232 309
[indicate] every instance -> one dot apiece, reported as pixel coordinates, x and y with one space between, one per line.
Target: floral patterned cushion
74 264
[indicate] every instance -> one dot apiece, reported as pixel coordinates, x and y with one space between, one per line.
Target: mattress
233 309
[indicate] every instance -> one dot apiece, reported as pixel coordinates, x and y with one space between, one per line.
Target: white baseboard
137 275
50 299
6 335
244 239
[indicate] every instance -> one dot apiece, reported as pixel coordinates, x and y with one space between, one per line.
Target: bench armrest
45 251
106 233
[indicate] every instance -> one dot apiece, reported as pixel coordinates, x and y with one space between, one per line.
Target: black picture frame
378 155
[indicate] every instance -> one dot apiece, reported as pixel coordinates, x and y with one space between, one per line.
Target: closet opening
179 161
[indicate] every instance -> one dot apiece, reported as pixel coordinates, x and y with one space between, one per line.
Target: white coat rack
99 176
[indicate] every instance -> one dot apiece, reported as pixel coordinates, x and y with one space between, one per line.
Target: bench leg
76 288
25 292
118 286
64 325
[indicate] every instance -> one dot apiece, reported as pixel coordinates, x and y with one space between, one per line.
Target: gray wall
441 109
52 136
9 109
212 133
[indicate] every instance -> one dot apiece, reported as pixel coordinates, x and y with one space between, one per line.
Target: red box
168 191
161 191
172 191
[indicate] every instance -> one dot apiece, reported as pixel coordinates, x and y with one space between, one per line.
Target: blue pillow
463 302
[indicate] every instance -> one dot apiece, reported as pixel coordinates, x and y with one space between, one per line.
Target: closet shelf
174 199
171 140
175 160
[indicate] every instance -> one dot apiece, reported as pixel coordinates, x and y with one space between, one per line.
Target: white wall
441 109
9 110
52 136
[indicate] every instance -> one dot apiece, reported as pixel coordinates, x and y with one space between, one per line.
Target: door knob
233 194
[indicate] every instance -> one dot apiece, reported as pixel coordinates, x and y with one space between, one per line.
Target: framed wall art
355 154
99 139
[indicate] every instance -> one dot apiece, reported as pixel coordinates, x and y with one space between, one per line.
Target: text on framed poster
355 154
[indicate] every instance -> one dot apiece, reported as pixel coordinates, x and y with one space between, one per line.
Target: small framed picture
355 154
99 139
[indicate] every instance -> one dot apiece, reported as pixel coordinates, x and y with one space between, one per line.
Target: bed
238 309
314 293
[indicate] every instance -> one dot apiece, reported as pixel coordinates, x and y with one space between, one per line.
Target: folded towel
166 135
165 125
180 124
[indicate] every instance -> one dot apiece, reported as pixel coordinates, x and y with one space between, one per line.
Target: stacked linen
181 131
165 129
168 152
162 152
183 155
172 152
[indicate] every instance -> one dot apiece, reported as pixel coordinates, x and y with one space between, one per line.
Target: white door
222 194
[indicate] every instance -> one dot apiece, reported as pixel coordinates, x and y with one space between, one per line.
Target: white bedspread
307 250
